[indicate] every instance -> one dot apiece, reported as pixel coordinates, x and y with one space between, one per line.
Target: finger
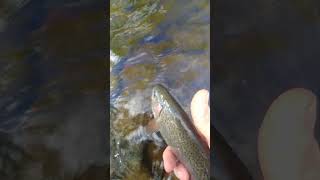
169 159
181 172
200 112
286 144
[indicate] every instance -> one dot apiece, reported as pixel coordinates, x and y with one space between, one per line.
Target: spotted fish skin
178 131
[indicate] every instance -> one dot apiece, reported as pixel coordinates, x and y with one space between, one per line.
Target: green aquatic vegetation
127 27
126 157
134 72
125 124
158 48
128 160
192 38
114 81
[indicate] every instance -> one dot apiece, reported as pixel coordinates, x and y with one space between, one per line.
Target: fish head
158 100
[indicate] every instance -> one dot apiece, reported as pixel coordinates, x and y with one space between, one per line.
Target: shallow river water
152 41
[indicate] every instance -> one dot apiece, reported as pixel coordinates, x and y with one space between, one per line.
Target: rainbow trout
179 132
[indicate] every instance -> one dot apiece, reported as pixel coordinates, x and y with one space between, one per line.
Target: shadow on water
152 42
49 88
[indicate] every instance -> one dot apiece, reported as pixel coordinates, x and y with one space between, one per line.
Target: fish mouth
156 106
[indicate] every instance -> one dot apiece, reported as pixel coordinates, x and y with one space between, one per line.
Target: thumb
200 112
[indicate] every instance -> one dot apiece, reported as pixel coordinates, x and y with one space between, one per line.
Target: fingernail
177 172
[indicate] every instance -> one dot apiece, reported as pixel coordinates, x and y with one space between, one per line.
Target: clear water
152 42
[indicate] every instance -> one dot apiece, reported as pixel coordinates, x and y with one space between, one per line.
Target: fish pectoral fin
152 127
152 130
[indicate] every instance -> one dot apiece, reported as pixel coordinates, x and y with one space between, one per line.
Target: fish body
178 132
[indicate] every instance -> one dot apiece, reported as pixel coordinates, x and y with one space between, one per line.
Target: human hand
200 112
286 145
